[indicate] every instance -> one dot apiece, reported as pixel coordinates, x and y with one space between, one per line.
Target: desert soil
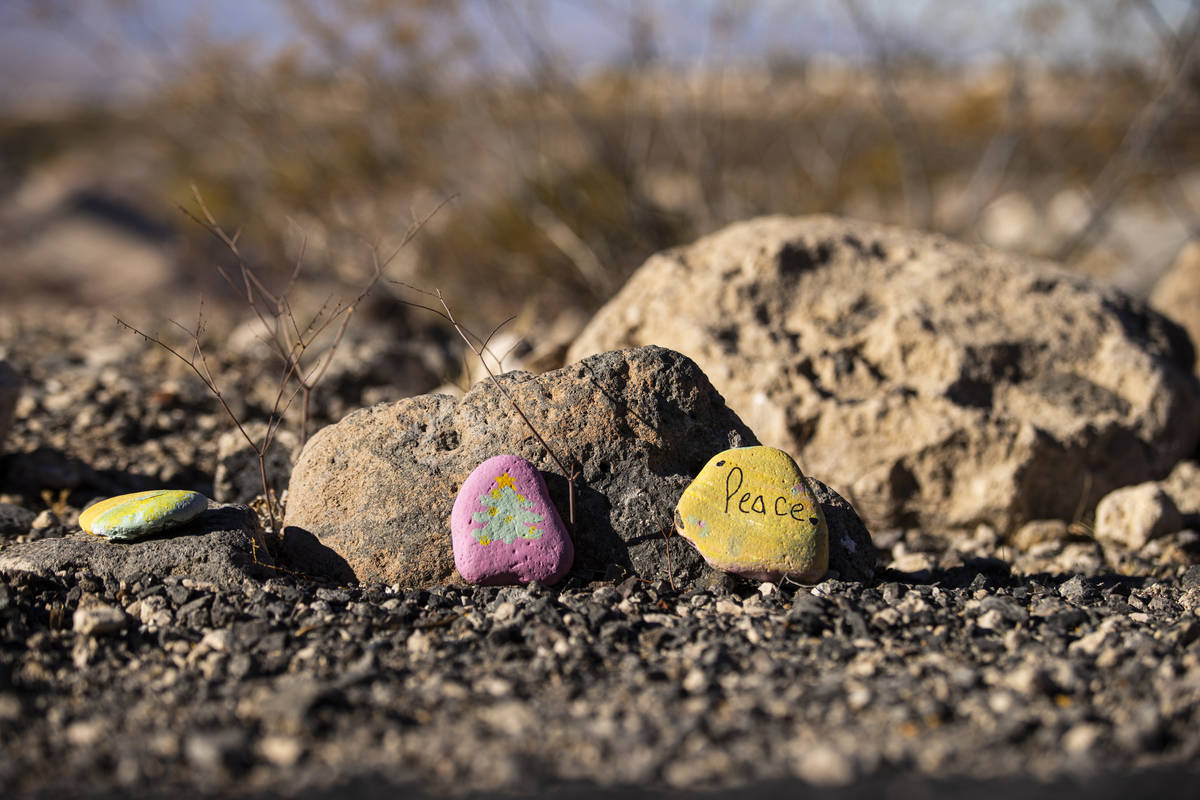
966 666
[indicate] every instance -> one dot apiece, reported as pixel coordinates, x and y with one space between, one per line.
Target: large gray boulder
934 383
370 497
223 546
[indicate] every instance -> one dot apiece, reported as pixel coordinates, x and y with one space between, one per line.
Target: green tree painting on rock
509 515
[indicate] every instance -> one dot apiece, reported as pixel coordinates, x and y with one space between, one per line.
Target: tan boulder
1177 293
940 384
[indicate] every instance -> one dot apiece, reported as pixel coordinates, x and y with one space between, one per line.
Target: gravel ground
967 667
290 688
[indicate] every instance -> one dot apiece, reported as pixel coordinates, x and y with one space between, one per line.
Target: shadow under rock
597 545
302 551
993 573
213 520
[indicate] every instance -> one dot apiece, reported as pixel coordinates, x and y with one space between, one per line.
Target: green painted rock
751 512
130 517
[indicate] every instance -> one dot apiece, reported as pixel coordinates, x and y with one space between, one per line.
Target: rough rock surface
940 385
10 389
1177 293
370 497
852 554
215 547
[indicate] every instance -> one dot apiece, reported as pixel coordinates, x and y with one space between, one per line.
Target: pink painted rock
505 529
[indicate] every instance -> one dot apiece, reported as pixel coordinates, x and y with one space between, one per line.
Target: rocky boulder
370 497
1177 292
216 547
937 384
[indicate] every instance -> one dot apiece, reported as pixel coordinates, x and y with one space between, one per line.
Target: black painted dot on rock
720 463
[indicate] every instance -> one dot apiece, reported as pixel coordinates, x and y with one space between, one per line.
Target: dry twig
198 363
291 341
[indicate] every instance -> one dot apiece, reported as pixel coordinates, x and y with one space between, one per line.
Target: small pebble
44 520
98 620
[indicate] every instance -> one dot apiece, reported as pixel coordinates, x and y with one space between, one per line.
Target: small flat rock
1183 486
130 517
504 527
223 547
751 512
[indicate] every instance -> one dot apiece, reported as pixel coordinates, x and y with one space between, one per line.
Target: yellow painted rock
751 512
130 517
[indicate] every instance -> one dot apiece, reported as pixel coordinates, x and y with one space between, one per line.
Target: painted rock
130 517
505 529
751 512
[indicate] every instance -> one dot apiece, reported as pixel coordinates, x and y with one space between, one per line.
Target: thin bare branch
443 315
479 353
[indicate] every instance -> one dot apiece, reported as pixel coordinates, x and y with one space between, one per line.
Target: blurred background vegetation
574 138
